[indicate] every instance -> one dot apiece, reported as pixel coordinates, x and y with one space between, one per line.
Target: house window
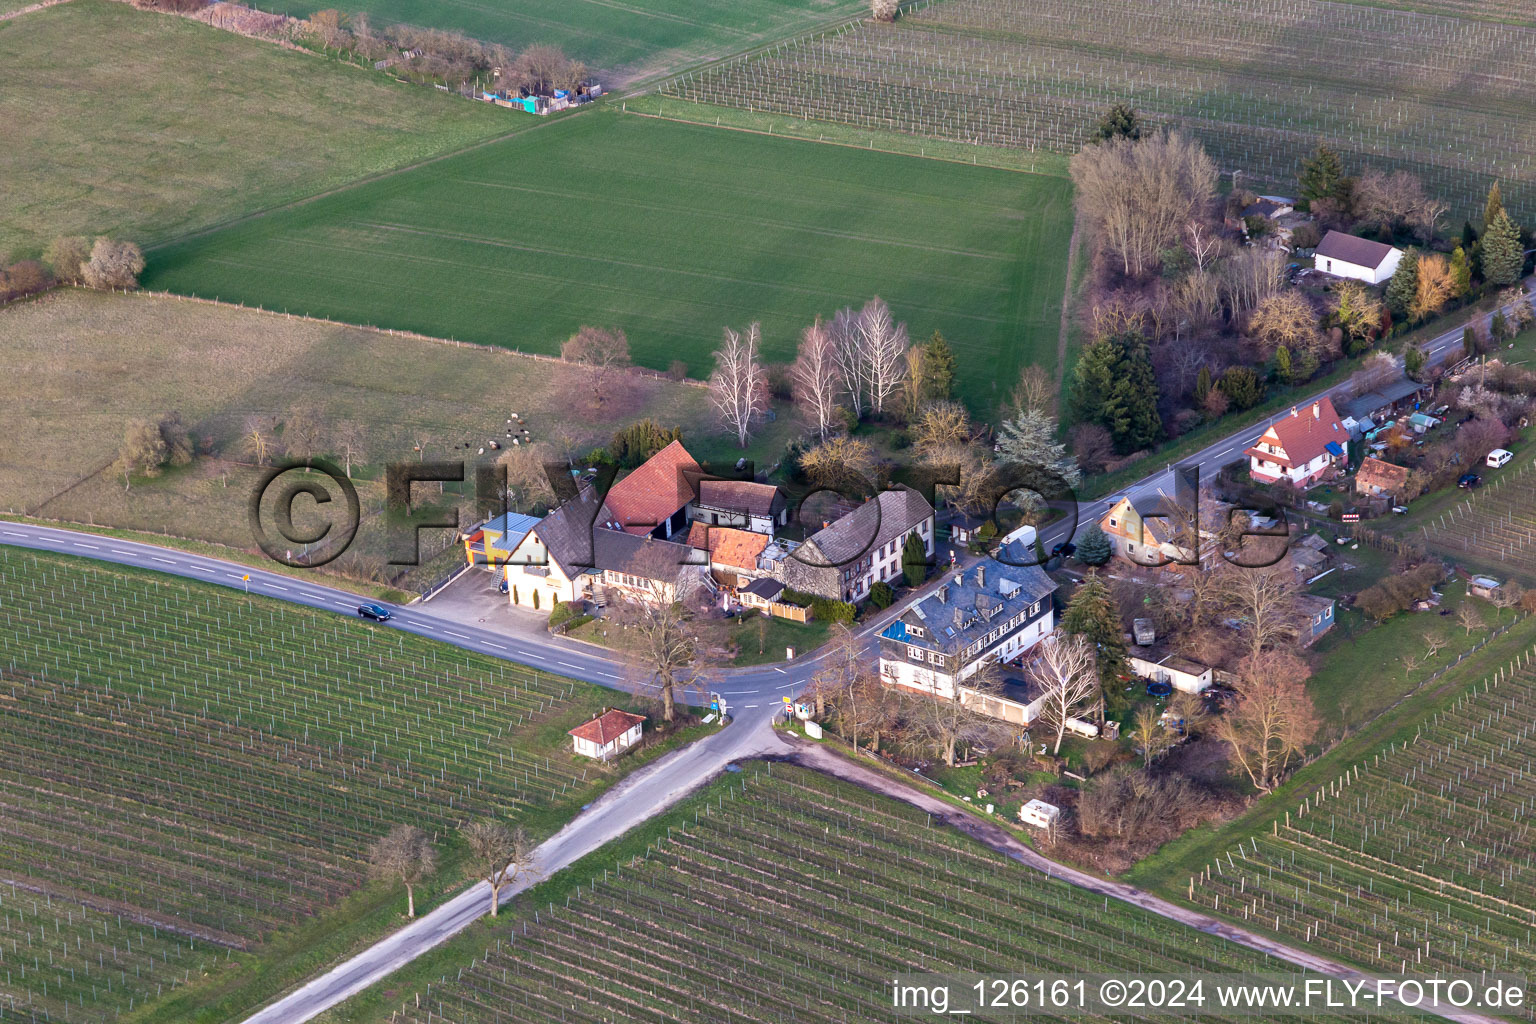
916 631
915 653
935 658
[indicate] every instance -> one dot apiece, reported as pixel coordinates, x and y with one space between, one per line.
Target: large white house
990 612
1301 448
1350 256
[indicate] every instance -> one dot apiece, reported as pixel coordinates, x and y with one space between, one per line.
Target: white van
1499 457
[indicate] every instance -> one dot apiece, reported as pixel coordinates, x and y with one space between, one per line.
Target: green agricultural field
1434 90
146 125
188 774
671 232
625 42
787 896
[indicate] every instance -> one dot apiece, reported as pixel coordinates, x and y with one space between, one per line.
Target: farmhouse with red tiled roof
1301 448
608 735
654 498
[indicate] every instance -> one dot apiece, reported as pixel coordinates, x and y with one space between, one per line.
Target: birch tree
883 346
1064 671
848 348
817 379
738 387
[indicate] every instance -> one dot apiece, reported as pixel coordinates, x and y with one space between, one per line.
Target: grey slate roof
959 616
577 540
887 516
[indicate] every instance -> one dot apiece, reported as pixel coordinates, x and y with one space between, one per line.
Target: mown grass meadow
671 232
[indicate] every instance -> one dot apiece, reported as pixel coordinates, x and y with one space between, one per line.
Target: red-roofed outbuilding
608 735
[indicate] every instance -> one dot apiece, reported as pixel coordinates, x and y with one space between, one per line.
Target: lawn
623 41
146 126
763 638
198 775
671 232
83 365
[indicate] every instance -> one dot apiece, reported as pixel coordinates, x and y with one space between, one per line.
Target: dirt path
1066 306
825 759
30 8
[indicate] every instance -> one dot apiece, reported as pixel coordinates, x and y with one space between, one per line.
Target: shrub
637 442
881 595
23 278
68 256
1399 591
113 265
563 613
821 607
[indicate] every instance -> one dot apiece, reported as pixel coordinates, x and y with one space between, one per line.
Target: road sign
787 701
714 705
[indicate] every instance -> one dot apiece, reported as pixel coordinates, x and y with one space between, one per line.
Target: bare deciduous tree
257 438
949 719
1272 720
351 443
528 485
838 461
1205 245
1433 645
1035 390
1141 195
1264 600
499 853
664 650
738 387
883 343
817 380
605 354
1065 673
407 854
1147 732
303 431
847 343
1468 617
1251 276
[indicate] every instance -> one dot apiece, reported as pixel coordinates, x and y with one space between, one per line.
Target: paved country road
755 694
820 758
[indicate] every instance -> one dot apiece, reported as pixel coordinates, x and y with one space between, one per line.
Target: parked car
1468 480
1499 457
375 612
1065 549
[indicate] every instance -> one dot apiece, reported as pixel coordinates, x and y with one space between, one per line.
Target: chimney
959 579
981 576
1293 412
944 593
1317 411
